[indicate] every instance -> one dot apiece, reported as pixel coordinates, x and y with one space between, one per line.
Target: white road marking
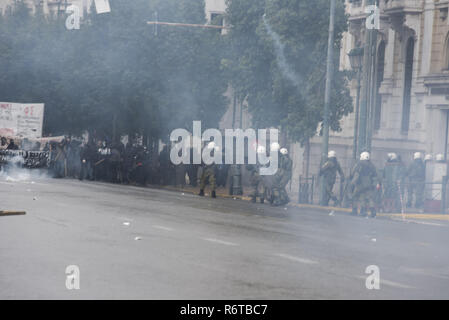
297 259
426 223
395 284
226 243
423 272
390 283
163 228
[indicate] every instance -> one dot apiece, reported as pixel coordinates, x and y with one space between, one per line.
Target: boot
213 195
373 212
201 194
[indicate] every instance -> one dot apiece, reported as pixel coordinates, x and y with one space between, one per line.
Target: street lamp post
327 94
236 172
356 60
366 96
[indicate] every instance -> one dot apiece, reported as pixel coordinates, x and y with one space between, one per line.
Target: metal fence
435 197
306 190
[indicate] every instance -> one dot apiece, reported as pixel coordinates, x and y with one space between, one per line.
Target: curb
420 216
219 195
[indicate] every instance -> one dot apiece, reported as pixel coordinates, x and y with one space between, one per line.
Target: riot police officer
364 181
257 185
416 174
329 172
393 175
208 174
282 177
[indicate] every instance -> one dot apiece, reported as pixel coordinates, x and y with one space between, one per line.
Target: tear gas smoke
280 55
13 171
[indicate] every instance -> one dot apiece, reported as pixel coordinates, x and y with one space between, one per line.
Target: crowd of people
8 145
130 163
368 189
102 161
134 163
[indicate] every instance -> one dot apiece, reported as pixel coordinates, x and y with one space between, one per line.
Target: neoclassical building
412 75
411 84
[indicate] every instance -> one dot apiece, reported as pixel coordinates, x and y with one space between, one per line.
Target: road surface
142 243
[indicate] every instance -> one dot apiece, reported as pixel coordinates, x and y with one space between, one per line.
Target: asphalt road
143 243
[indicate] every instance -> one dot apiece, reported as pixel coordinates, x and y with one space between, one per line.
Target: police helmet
417 155
364 156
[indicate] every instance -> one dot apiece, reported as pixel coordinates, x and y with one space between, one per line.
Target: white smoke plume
280 55
13 171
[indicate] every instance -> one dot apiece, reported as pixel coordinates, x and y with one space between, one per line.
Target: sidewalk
224 193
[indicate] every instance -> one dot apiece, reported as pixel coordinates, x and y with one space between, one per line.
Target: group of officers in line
369 189
366 190
270 187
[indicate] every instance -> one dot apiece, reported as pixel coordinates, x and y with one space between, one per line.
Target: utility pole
327 95
367 94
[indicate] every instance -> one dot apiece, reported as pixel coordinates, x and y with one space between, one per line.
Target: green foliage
256 72
115 72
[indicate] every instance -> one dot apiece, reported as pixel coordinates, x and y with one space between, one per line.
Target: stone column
429 13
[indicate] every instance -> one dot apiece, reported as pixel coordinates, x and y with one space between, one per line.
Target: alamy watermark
73 21
186 146
72 281
373 280
373 18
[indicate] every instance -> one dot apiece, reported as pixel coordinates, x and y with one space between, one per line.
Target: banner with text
21 120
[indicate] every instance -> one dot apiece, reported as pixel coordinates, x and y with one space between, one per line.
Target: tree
277 63
114 76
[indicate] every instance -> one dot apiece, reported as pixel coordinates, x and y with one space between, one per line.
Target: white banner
102 6
21 120
7 123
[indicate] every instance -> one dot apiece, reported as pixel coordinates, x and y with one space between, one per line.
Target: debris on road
332 213
126 223
12 213
137 238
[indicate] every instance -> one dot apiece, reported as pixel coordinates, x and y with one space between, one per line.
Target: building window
217 19
446 55
379 79
408 75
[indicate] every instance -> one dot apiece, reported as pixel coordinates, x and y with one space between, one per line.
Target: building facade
410 109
